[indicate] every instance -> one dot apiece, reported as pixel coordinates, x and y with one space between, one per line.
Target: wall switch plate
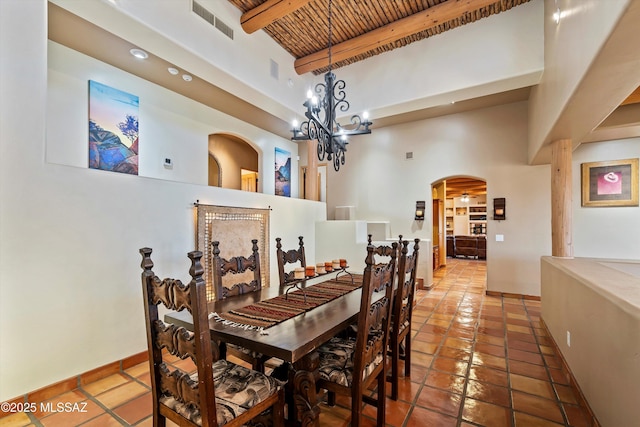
499 237
168 163
568 339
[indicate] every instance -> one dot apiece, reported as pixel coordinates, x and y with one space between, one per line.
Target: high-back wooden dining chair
235 265
292 256
238 265
349 367
217 392
400 336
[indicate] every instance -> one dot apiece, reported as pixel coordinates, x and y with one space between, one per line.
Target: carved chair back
403 304
384 251
375 314
235 265
189 398
179 387
289 257
352 369
402 313
374 321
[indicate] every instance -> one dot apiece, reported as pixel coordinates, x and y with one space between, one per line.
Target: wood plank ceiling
360 29
456 187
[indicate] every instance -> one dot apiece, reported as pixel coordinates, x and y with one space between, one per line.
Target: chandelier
321 123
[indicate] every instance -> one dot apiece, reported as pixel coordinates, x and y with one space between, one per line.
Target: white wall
171 125
570 48
495 54
489 144
172 31
609 232
70 293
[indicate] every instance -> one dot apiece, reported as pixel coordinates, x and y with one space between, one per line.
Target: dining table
294 340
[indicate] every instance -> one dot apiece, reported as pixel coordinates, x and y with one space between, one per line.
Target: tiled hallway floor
478 360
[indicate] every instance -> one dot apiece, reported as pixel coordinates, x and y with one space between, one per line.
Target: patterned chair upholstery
289 257
350 366
218 392
400 335
238 265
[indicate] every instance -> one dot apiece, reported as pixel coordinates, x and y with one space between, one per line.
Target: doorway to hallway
459 219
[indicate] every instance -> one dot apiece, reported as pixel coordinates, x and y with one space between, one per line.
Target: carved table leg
302 383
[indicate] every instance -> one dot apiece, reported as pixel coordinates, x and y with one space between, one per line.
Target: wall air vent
202 12
408 155
275 73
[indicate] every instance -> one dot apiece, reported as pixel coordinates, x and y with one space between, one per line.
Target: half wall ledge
592 310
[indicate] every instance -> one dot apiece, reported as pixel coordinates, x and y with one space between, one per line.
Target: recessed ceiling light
139 53
187 77
173 71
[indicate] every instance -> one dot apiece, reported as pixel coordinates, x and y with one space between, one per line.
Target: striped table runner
264 314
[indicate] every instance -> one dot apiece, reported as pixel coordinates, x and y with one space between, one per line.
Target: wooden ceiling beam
268 12
412 24
634 98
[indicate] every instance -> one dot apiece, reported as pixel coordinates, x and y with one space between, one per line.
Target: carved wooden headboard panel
234 228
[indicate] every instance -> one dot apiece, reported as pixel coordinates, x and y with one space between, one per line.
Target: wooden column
561 199
311 183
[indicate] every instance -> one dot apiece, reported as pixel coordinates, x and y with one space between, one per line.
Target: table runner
264 314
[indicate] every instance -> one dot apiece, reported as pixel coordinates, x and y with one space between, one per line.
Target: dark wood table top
289 340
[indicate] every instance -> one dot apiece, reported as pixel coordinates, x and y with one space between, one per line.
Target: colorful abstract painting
113 129
283 173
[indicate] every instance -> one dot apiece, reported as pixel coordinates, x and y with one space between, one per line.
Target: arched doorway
459 210
233 163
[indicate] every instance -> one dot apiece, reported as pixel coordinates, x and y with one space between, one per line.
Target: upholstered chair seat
336 361
237 389
240 349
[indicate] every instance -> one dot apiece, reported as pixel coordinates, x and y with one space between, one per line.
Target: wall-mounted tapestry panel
113 129
234 228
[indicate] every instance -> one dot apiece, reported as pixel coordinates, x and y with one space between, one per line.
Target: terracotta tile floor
478 360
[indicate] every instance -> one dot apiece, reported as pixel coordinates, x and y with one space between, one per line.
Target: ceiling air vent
200 10
408 155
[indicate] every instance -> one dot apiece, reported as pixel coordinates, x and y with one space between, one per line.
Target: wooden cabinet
470 218
478 219
448 216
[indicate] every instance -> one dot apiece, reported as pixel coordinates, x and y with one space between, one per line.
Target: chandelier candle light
321 123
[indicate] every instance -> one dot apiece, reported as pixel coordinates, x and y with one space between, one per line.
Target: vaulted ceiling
360 29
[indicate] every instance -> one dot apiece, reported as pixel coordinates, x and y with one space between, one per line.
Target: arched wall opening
233 163
214 171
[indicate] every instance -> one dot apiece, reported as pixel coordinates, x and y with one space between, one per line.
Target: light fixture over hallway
321 123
